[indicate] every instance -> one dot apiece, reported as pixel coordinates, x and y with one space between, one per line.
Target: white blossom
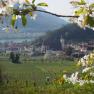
91 55
92 81
81 82
74 78
34 16
93 28
84 61
18 16
86 69
65 76
91 74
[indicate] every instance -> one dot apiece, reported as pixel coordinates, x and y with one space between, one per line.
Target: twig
56 14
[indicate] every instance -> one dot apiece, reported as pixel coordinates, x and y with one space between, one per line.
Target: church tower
62 41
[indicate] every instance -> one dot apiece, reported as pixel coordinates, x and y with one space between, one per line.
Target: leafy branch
84 10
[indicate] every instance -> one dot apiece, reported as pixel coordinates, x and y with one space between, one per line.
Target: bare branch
56 14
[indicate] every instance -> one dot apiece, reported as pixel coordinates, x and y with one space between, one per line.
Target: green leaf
88 20
91 21
42 4
82 2
33 7
92 5
85 21
81 11
30 13
33 1
27 1
13 20
24 20
16 12
76 3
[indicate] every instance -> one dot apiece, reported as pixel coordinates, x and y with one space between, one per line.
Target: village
69 49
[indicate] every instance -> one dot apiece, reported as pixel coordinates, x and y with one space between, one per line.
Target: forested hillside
71 32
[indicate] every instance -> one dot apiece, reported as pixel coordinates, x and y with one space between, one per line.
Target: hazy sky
61 6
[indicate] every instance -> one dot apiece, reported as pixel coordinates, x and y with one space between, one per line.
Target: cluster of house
26 48
82 48
73 50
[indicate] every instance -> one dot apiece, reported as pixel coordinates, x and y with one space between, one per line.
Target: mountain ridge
43 23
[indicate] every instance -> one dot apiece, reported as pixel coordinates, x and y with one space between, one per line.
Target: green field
30 77
37 70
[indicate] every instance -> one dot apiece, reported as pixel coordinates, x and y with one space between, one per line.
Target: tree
1 75
84 12
12 57
15 58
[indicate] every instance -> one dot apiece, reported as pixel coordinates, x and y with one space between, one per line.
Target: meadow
38 76
37 70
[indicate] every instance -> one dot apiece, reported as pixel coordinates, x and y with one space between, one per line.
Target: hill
34 28
70 32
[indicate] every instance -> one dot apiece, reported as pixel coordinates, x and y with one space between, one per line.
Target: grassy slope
37 70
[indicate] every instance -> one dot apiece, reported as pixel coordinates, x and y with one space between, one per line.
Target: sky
60 6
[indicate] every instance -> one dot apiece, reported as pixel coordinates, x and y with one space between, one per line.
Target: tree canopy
83 11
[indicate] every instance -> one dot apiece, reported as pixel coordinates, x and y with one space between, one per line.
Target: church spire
62 41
